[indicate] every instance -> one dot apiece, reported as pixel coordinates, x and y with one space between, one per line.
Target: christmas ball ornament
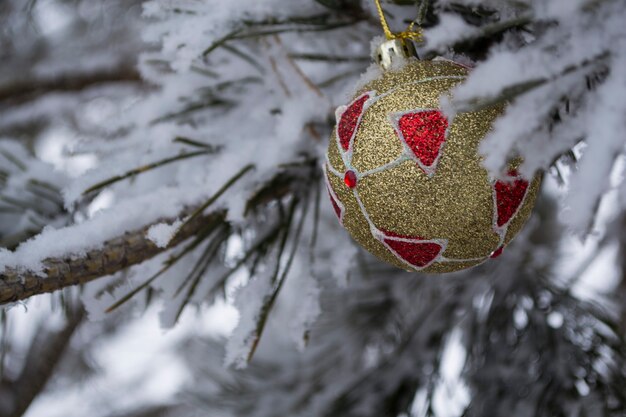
407 182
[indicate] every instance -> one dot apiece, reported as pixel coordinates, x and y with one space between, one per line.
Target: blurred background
92 89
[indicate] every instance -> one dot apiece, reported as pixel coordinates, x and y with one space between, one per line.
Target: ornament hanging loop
398 45
383 21
411 33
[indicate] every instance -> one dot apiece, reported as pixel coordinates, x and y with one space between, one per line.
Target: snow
451 395
450 30
208 22
51 17
162 233
53 148
91 234
555 320
248 302
306 307
604 145
261 115
373 72
140 363
525 128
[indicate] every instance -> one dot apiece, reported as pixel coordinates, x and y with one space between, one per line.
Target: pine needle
221 41
203 234
269 302
210 250
422 11
215 196
329 58
13 159
197 144
200 269
259 248
515 90
285 236
143 169
246 57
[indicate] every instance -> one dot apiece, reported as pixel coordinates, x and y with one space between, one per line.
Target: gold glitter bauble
408 184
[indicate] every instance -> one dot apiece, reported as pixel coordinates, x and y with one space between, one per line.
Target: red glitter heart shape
410 249
349 120
424 132
509 197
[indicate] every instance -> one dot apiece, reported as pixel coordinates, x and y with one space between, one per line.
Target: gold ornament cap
394 49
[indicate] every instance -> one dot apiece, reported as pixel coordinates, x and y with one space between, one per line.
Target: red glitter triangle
335 205
424 132
416 253
334 200
496 253
349 120
509 197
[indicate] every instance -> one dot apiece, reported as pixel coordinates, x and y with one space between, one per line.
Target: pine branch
26 89
44 354
153 411
487 34
621 289
125 251
148 167
513 91
115 255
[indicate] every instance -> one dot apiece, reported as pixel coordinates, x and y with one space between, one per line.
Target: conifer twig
44 353
145 168
23 90
114 255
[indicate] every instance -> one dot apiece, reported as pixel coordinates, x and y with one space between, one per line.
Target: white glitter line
346 156
484 258
381 237
415 268
424 80
407 155
402 158
332 169
373 229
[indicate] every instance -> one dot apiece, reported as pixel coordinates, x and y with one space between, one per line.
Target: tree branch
25 89
114 255
45 352
621 289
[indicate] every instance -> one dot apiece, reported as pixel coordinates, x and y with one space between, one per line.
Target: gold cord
409 33
383 20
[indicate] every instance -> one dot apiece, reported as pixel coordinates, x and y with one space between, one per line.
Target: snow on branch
561 78
112 256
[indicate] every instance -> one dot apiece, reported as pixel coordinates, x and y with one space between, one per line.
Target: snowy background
92 90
